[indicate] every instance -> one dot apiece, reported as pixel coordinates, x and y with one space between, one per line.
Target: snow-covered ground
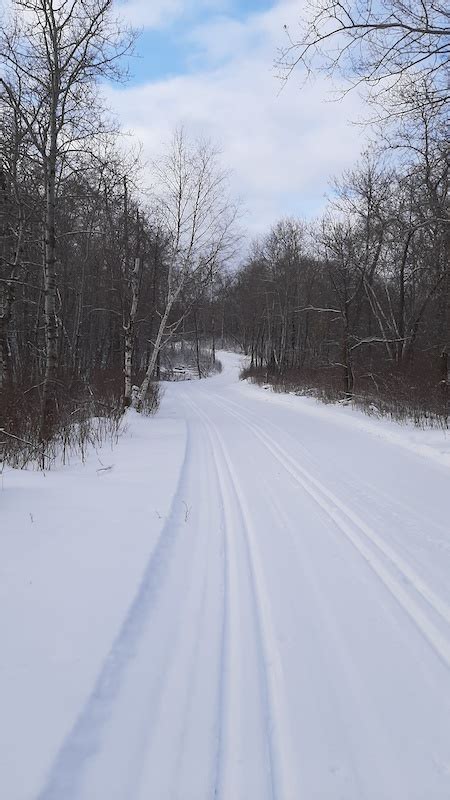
248 598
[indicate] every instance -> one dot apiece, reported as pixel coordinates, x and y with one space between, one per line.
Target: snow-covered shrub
89 413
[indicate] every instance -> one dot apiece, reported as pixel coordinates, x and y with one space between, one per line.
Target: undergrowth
89 414
394 395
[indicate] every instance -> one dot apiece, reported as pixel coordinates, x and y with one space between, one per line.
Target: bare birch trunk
154 356
129 329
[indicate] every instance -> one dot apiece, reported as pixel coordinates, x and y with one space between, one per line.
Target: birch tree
53 51
199 220
132 279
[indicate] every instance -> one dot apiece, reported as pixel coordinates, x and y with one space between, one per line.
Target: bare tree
53 51
359 308
376 44
11 227
198 217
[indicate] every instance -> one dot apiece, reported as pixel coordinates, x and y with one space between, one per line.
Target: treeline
99 278
356 305
96 276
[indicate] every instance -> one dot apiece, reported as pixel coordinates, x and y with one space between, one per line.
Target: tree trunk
154 356
213 336
346 361
129 334
48 413
7 297
197 346
3 349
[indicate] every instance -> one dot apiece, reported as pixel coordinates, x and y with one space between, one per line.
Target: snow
251 601
431 442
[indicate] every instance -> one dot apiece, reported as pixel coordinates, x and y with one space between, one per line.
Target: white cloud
280 146
161 13
150 13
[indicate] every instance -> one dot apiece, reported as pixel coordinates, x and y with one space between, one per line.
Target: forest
104 281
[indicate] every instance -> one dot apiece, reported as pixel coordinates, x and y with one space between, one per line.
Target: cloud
281 146
153 14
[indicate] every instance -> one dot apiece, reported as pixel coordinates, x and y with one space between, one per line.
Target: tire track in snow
82 743
284 783
346 520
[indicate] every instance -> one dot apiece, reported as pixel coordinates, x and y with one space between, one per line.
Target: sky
209 65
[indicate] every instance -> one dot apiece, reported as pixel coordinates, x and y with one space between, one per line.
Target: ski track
131 709
344 679
283 780
401 508
78 774
348 522
180 730
83 741
209 690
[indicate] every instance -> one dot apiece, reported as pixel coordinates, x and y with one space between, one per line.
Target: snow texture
248 598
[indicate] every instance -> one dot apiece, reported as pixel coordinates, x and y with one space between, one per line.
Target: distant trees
53 51
377 309
96 275
357 305
98 278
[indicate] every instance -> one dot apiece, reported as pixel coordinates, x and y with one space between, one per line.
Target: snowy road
290 635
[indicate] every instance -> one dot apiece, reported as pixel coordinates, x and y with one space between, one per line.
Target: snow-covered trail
289 637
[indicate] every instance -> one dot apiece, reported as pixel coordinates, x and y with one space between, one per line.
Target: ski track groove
177 789
338 511
438 604
64 779
202 546
344 666
228 778
239 536
400 506
284 781
192 670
